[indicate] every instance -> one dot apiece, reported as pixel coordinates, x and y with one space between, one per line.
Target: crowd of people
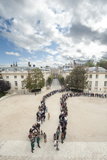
35 133
63 117
88 94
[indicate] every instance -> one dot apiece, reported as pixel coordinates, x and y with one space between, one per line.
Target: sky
52 33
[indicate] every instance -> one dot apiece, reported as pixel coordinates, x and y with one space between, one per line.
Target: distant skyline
46 32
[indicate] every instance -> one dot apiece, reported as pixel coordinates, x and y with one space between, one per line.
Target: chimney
74 64
96 68
29 64
87 68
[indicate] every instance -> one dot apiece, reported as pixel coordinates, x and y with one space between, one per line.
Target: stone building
97 79
15 75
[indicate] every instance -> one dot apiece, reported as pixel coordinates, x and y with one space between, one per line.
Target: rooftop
15 68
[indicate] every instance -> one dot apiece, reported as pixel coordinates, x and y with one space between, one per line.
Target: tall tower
74 64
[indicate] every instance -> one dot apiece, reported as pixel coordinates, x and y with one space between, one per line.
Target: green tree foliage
102 63
77 79
34 80
90 63
61 79
49 80
4 86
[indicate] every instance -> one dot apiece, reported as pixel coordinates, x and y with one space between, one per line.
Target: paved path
15 150
55 84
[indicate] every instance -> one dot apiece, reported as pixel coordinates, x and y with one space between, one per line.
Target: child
57 146
45 140
48 116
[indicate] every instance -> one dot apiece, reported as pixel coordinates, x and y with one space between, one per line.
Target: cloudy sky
47 32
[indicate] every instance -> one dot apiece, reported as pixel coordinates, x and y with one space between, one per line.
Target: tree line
101 63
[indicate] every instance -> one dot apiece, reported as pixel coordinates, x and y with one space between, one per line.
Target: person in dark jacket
64 133
32 145
62 137
57 134
38 139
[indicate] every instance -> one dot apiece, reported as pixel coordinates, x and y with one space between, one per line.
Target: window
1 76
7 82
22 84
15 76
22 76
7 77
96 83
96 89
106 76
105 83
90 76
96 75
90 83
16 84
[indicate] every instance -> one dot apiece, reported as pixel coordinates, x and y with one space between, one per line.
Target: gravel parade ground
86 130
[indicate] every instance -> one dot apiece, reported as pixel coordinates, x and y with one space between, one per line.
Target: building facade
96 76
16 75
97 79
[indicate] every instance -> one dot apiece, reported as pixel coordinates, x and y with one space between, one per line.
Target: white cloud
11 53
25 59
50 51
36 24
33 57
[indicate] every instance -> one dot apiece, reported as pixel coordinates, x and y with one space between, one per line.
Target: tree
49 80
34 80
28 81
77 79
102 63
4 86
90 63
61 79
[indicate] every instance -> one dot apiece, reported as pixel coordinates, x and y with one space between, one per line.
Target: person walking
45 138
62 137
48 116
54 139
38 139
57 134
64 133
32 145
57 145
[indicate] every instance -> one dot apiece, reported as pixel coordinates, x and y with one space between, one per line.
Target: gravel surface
86 130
